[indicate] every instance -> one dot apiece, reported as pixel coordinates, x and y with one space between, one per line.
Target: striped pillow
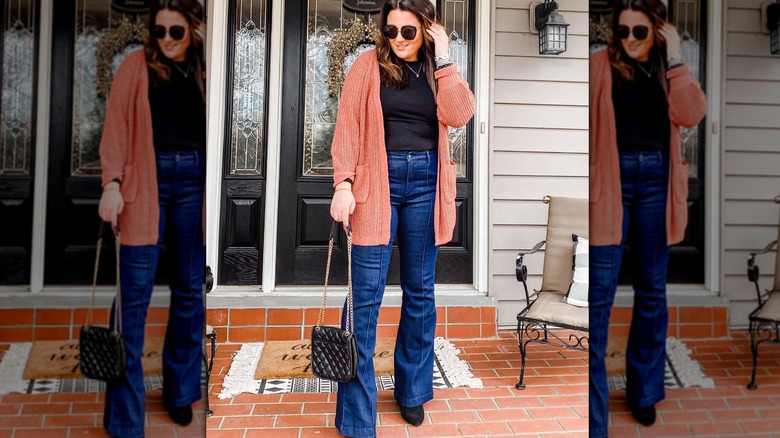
578 289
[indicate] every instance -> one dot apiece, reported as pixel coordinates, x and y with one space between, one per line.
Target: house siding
538 143
750 156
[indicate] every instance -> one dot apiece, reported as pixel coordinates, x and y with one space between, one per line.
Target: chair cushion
771 309
566 216
549 307
578 289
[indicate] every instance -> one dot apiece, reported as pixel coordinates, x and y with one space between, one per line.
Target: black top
178 112
410 113
641 111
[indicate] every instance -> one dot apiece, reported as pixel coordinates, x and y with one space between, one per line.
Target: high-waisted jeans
180 182
412 195
644 182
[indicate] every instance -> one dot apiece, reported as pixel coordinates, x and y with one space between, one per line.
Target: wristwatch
676 60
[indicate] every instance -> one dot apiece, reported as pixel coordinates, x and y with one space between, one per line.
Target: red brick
49 432
45 408
466 331
300 420
718 429
620 315
157 315
16 334
488 330
535 426
52 333
461 315
52 317
70 420
285 317
247 422
240 433
452 417
16 317
246 334
247 317
688 331
695 315
280 408
551 412
441 330
389 315
485 429
433 430
488 315
766 426
574 424
217 317
496 415
276 432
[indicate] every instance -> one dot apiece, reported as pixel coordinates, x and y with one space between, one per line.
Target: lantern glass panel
552 39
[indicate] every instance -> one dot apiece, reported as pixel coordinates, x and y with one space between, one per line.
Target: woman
393 175
153 160
641 92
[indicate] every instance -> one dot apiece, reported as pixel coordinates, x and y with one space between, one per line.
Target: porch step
685 321
267 324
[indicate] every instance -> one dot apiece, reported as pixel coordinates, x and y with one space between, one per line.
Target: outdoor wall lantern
773 23
551 27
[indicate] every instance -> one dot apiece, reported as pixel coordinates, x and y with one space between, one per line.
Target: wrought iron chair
211 336
765 319
545 312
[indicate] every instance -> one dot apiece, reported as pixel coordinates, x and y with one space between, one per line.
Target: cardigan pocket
448 180
129 184
362 185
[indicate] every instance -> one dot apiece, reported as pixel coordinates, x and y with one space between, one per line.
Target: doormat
680 371
448 372
292 359
12 369
60 359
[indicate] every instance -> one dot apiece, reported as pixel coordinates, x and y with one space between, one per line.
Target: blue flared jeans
412 195
644 182
180 182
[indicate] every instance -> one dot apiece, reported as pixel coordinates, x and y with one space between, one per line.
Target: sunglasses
391 32
640 32
176 32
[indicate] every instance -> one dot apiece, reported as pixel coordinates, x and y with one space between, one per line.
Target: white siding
750 170
539 139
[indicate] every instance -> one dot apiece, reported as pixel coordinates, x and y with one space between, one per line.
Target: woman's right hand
111 203
343 204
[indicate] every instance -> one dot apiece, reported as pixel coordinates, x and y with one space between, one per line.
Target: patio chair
211 336
546 313
764 319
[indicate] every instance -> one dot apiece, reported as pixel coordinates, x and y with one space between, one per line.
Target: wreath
343 43
126 32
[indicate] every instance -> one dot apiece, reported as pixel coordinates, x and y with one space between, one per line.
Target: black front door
307 129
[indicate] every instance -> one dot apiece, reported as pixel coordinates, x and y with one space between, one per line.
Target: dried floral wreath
125 32
345 41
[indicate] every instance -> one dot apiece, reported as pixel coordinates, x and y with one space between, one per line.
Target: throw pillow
578 289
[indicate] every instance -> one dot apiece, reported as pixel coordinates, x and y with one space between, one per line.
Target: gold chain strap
350 310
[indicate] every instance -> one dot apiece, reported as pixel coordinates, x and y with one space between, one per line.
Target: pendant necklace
186 72
648 73
416 73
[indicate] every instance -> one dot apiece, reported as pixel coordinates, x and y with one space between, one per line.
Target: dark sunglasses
408 32
176 32
640 32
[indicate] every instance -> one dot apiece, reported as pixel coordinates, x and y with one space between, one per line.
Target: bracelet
442 61
343 188
108 189
675 61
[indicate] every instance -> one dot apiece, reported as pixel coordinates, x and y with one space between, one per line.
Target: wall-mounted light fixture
773 24
552 28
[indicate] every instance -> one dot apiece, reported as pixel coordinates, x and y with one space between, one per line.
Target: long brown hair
193 13
391 69
655 10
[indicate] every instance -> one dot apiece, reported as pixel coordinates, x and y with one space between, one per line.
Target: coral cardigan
359 152
687 107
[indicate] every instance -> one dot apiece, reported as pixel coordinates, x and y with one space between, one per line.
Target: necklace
416 73
186 72
648 73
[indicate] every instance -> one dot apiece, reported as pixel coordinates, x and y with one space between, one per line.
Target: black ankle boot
181 415
413 415
645 415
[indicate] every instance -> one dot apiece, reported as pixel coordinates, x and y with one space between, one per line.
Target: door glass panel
246 148
686 16
330 24
16 116
104 38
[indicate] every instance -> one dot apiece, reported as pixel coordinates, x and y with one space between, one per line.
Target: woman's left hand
672 38
441 40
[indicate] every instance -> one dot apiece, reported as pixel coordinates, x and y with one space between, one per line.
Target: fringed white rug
680 372
448 372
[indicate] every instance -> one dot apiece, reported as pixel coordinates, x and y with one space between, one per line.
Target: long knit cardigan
359 153
127 151
687 107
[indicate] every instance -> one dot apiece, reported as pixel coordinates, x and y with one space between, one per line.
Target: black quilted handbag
102 349
334 354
